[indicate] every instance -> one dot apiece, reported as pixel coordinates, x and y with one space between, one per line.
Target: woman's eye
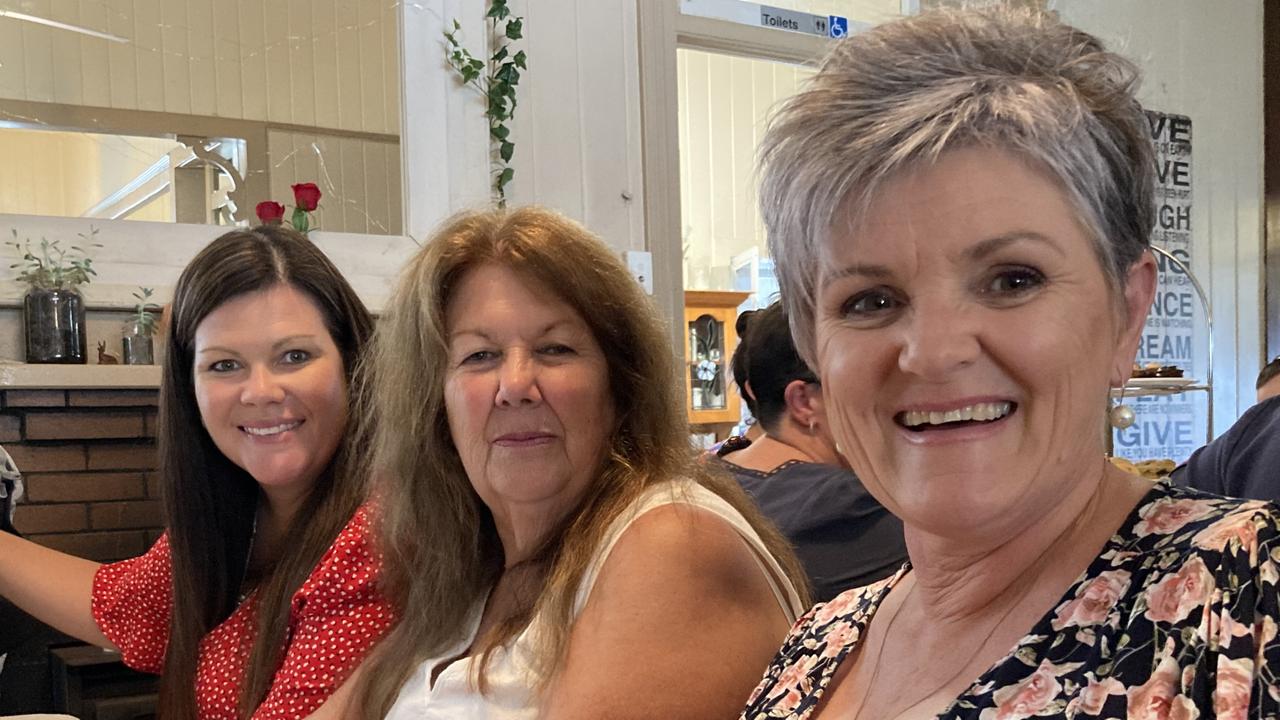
294 357
477 357
222 366
871 302
1014 281
555 349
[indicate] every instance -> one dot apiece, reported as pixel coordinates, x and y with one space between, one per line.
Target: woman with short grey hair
959 204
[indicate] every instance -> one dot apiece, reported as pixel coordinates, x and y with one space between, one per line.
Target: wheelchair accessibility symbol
837 27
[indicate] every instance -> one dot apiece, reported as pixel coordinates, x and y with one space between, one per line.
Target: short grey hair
901 94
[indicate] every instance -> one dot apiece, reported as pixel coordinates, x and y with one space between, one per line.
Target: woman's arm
54 587
681 623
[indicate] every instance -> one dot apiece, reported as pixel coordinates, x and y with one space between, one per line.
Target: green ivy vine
496 80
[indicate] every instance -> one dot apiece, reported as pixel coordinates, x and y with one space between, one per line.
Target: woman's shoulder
1173 518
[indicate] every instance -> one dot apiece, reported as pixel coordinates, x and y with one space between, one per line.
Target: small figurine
104 357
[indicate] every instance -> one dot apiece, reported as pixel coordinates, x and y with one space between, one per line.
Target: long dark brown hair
209 502
441 547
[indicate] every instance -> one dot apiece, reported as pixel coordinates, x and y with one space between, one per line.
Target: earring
810 427
1121 415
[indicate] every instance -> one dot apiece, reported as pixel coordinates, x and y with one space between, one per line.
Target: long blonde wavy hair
441 549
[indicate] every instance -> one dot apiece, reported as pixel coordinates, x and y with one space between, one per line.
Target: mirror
196 110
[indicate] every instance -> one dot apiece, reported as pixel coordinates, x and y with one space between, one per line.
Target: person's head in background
778 387
1269 380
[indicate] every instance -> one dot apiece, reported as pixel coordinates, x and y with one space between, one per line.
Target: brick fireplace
88 460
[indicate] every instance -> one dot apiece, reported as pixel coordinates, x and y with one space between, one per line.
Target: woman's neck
959 581
783 445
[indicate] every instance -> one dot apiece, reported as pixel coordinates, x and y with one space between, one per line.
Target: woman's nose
261 387
939 339
517 381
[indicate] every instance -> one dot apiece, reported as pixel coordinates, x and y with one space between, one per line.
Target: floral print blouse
1174 620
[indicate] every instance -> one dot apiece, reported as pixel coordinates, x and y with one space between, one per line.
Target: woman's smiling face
966 336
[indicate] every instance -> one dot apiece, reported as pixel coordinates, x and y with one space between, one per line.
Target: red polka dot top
337 616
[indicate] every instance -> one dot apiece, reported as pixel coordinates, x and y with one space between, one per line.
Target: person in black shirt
795 473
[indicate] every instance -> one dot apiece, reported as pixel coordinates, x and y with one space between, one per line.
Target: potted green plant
53 309
140 330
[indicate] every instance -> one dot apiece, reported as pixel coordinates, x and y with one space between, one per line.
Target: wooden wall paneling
200 58
325 58
122 57
372 97
350 114
351 191
376 186
149 61
605 104
226 60
389 24
279 76
95 56
253 59
68 85
395 183
13 73
301 59
37 43
697 222
175 56
744 114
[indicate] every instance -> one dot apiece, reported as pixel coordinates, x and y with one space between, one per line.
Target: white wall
328 63
1204 60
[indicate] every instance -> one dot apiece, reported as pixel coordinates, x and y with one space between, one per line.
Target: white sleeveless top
511 675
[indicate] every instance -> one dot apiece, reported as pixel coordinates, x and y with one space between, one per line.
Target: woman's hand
681 623
54 587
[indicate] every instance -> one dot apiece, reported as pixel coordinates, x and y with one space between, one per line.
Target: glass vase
54 321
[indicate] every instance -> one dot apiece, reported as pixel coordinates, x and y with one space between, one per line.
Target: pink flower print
1174 597
838 606
793 675
1183 709
1094 696
1093 601
1234 688
1239 525
840 636
1167 515
1153 700
1027 698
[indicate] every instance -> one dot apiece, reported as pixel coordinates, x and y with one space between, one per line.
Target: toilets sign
832 26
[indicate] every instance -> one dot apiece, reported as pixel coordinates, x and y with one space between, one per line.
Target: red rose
306 196
269 212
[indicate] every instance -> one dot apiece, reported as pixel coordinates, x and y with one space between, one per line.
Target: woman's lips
523 439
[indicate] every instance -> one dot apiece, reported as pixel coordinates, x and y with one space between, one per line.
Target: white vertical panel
37 42
279 76
68 86
350 114
95 60
253 58
302 82
200 49
176 58
13 74
721 147
742 155
352 190
376 187
150 54
226 59
320 161
390 41
603 105
369 16
325 52
123 57
697 214
395 189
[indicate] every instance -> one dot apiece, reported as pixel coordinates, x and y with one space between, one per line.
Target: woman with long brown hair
555 547
261 597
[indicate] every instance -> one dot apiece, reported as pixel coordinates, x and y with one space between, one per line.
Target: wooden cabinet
709 342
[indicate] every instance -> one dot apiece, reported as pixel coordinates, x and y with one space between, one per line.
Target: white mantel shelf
21 376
